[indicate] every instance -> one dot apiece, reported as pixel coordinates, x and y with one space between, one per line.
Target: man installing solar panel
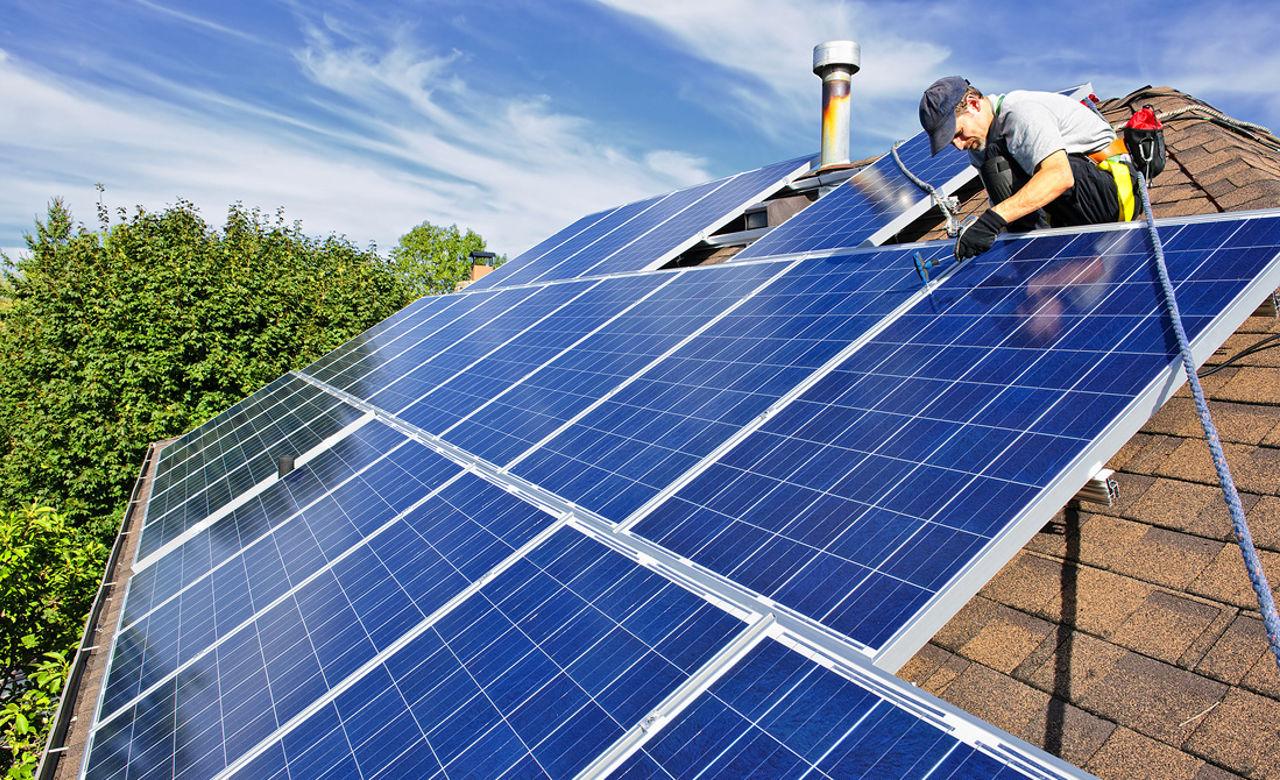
1044 158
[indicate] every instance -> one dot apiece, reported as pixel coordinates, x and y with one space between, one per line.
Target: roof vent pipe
835 62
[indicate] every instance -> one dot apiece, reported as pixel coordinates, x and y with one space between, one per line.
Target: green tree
150 326
432 259
48 570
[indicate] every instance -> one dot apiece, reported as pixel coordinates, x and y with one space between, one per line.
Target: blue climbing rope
1252 563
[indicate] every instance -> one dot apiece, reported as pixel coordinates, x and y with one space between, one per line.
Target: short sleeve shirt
1033 125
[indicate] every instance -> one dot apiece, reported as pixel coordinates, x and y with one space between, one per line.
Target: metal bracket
1102 488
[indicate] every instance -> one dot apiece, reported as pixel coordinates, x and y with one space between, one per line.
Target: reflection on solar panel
935 451
781 713
645 234
654 524
238 453
876 203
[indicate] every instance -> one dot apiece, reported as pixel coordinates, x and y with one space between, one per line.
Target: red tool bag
1144 138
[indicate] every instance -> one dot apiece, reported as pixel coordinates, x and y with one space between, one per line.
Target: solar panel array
647 525
644 234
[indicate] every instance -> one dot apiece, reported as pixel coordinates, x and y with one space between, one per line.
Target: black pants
1091 200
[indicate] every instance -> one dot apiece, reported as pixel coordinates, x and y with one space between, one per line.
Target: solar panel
519 417
547 247
882 498
195 553
648 233
785 711
200 713
657 523
289 419
638 440
875 203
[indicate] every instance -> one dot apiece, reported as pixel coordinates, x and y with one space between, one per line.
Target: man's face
971 127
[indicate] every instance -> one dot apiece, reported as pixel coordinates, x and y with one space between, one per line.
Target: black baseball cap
938 110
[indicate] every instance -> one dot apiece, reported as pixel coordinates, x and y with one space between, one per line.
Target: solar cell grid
239 689
519 417
370 368
545 247
779 714
860 501
640 440
534 675
602 255
614 223
720 201
227 537
195 438
219 601
243 459
470 388
437 366
380 336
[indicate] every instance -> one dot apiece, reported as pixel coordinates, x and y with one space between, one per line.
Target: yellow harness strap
1124 184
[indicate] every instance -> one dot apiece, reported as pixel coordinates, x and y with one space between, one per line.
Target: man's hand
978 237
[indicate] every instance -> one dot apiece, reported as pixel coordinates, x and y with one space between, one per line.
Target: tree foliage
431 259
148 327
48 570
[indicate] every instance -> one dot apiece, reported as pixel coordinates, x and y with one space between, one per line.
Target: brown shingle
1006 639
1152 697
1166 626
1226 580
1259 386
1235 652
1165 557
996 698
1067 731
1076 664
1127 755
1242 734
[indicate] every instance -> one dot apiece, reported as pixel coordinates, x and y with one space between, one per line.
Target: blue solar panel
616 221
380 336
521 416
859 503
864 208
372 366
245 456
239 688
248 523
471 386
779 714
435 361
644 437
546 247
534 675
876 203
234 590
684 222
644 234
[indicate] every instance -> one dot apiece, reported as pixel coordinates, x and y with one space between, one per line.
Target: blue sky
514 118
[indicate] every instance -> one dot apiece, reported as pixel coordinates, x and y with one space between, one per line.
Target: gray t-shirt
1034 125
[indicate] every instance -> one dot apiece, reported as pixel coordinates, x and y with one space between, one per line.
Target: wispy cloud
397 136
769 44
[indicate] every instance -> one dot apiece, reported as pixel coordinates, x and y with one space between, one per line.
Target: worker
1045 159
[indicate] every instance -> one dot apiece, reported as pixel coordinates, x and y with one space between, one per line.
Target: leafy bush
432 259
48 573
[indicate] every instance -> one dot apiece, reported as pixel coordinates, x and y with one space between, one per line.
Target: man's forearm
1051 179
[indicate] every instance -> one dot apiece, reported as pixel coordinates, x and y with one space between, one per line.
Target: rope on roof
1252 562
948 205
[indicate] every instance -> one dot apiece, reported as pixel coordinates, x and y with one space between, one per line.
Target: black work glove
978 237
